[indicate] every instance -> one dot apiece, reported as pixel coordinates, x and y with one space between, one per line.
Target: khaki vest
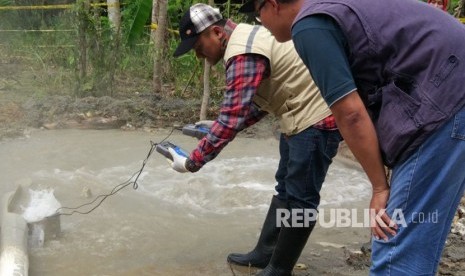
290 93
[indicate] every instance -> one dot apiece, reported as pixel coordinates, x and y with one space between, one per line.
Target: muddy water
173 224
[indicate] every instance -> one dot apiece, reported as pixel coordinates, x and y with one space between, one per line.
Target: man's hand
381 223
205 123
179 162
358 131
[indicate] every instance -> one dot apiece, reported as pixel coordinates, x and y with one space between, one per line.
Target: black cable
121 186
117 188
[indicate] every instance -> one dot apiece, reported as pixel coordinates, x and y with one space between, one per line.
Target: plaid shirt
328 123
244 73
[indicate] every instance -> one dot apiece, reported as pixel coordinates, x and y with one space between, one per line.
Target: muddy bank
60 112
138 112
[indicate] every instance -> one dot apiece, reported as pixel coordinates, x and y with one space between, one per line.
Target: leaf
140 18
5 2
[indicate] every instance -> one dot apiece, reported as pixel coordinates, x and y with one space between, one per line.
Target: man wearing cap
395 87
264 76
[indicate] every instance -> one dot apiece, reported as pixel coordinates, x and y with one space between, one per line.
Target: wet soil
29 101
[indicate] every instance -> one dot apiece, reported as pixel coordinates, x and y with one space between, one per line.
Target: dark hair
220 23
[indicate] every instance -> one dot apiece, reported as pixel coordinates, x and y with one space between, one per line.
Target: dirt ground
25 105
28 100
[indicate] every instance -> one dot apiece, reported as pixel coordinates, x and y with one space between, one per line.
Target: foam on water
42 204
221 187
227 185
343 185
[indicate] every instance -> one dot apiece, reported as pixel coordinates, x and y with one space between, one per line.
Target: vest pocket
404 121
445 70
396 124
458 131
261 102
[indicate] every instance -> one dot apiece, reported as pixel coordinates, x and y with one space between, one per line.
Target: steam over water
173 224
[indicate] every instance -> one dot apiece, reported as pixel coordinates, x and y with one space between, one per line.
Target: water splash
42 204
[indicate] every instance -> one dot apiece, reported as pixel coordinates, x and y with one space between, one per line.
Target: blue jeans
305 159
427 188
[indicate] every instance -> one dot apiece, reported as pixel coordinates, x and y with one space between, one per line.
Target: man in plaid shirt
264 76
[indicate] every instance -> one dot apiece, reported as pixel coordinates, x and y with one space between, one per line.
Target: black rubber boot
260 256
291 242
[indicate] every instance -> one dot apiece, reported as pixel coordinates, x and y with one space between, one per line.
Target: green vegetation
74 51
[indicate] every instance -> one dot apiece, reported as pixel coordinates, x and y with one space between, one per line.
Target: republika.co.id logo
343 217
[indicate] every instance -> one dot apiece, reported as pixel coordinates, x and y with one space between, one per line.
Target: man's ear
274 4
217 31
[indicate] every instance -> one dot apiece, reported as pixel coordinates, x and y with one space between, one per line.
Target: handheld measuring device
163 147
197 131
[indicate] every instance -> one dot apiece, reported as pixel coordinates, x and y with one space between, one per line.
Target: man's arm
359 133
324 49
244 73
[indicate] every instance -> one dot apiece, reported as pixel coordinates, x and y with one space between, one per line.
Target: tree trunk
459 12
159 42
82 50
114 14
206 91
206 85
155 12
